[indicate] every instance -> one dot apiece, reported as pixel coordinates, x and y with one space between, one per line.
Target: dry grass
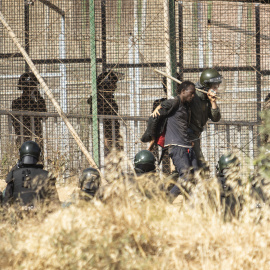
130 231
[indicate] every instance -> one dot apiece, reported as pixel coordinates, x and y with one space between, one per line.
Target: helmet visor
214 80
29 160
219 86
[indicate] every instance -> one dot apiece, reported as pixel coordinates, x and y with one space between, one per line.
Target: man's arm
164 108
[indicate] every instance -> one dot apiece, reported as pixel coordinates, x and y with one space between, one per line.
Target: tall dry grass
127 230
130 231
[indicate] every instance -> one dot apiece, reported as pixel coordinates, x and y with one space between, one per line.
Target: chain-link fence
98 59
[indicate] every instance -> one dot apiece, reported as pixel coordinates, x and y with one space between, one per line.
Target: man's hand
155 113
212 97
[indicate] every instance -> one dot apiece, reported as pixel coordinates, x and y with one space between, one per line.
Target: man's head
145 161
210 79
29 153
186 91
107 81
28 82
227 162
89 181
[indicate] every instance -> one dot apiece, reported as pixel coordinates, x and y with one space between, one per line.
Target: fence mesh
130 40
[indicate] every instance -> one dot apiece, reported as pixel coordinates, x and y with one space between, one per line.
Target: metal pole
200 34
103 35
131 91
26 32
136 70
209 34
94 80
167 46
63 87
181 40
172 43
258 64
237 58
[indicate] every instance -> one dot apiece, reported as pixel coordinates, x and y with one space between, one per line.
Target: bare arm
156 113
151 144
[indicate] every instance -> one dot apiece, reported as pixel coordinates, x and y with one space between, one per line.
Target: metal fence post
94 81
258 65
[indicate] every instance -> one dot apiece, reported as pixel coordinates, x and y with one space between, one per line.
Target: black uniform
29 102
201 111
28 185
106 105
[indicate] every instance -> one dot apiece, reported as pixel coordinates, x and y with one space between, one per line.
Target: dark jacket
158 102
156 126
27 103
29 184
201 111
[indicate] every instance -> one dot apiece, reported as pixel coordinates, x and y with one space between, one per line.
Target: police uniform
30 100
106 105
201 111
28 185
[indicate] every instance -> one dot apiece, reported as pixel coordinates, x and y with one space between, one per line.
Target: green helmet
89 181
226 161
145 161
209 76
29 152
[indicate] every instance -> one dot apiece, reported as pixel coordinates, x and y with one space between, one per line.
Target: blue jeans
185 162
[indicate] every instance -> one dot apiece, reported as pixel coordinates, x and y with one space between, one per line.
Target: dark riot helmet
89 181
227 161
105 80
27 80
145 161
210 76
29 152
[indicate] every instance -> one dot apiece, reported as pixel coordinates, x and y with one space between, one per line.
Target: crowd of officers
175 125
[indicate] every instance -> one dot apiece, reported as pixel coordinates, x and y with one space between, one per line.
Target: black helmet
227 161
29 152
89 181
209 76
27 80
106 79
145 161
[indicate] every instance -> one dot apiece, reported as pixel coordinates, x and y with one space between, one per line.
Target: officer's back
27 182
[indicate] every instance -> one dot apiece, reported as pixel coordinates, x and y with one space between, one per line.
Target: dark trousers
195 138
185 162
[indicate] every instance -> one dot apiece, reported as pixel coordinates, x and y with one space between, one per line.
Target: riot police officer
204 107
228 166
148 180
106 105
225 165
30 100
27 183
144 162
89 183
